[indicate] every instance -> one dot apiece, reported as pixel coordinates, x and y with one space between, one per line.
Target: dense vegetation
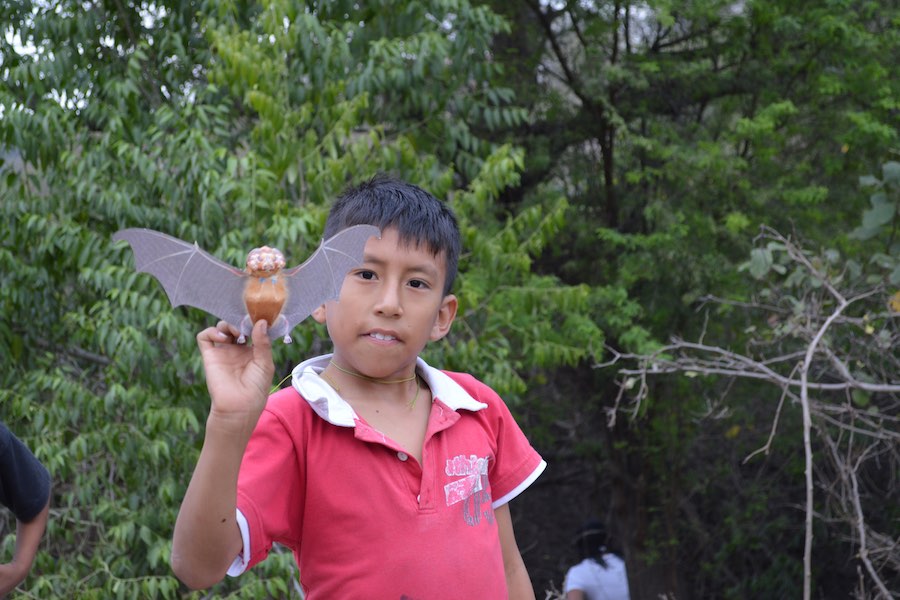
682 261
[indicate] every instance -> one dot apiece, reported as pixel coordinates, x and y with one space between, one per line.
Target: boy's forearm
517 581
207 539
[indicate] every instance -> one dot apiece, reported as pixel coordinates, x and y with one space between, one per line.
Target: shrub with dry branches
827 339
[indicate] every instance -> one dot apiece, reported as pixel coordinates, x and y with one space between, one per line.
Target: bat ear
446 315
319 314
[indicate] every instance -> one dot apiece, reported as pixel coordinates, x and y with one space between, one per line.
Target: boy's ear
319 314
446 314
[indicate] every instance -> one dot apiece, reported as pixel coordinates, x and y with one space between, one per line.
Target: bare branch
765 449
807 442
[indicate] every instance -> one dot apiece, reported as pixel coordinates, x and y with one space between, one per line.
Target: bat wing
320 278
189 275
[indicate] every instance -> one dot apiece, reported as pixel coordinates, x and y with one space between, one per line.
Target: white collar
329 405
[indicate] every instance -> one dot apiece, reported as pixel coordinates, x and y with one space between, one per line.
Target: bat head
265 261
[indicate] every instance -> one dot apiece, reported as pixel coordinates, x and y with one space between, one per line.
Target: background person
25 491
600 574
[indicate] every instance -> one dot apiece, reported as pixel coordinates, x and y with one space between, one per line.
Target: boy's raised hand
238 376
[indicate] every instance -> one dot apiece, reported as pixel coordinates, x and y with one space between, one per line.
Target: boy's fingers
211 336
228 329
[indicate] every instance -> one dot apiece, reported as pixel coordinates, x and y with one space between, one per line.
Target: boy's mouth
382 336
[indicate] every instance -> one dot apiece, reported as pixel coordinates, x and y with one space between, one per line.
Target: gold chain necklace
367 378
409 405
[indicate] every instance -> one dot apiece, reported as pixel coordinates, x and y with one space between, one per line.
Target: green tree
228 124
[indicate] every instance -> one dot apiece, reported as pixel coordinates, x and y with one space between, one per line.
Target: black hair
592 540
419 217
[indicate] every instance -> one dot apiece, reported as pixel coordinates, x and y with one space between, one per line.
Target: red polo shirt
364 519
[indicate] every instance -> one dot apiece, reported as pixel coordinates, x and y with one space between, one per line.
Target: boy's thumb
260 337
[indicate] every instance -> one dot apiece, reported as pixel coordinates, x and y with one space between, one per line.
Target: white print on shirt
471 469
472 490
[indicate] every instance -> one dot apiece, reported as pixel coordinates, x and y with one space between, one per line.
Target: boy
25 490
389 479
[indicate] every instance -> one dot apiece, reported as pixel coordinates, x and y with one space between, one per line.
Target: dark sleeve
24 481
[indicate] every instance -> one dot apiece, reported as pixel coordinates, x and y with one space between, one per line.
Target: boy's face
389 308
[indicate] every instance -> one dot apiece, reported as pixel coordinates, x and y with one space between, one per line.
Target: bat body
265 290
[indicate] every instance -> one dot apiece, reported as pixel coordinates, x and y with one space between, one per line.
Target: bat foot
242 339
281 329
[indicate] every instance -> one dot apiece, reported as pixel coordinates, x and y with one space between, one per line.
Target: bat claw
242 339
287 339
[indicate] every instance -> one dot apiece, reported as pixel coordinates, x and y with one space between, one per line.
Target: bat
193 277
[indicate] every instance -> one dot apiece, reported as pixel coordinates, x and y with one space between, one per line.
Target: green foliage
879 226
884 213
675 131
512 322
227 124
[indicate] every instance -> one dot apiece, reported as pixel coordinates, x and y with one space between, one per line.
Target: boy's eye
367 274
416 283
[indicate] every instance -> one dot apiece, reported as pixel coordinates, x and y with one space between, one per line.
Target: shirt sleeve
516 463
269 498
24 481
242 561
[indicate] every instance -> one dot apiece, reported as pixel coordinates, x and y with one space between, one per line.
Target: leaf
860 398
891 172
881 213
864 233
760 262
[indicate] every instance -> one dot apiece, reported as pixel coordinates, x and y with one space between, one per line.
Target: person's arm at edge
574 595
28 538
517 581
207 539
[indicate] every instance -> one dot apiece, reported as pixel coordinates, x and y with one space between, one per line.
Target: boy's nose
389 302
